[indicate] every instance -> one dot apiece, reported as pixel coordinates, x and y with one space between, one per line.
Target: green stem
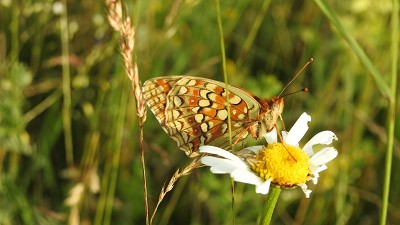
115 164
373 71
222 44
391 114
66 87
228 105
269 206
14 29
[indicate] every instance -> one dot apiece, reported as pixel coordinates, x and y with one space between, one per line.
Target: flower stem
269 206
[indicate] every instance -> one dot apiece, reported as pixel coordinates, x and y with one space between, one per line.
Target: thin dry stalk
124 26
127 31
178 174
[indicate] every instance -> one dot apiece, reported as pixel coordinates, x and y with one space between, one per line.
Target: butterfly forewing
193 110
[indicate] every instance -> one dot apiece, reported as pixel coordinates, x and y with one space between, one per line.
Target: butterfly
194 111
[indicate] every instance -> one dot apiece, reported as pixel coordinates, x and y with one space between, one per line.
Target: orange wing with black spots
193 111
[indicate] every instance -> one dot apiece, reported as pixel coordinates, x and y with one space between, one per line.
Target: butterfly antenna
301 90
295 76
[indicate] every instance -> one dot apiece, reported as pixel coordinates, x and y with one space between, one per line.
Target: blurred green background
70 154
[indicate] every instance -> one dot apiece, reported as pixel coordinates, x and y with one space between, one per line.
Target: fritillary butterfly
193 111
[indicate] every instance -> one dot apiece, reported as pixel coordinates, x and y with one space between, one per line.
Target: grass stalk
173 201
66 87
102 202
42 106
116 158
391 114
365 60
142 159
14 28
223 56
228 105
253 32
171 184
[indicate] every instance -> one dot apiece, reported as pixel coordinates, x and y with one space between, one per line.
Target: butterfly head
273 111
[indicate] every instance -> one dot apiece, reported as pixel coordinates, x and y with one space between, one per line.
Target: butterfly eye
275 107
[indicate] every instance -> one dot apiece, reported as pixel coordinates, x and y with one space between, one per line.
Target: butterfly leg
242 135
283 123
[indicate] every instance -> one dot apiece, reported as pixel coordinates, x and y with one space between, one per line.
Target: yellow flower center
285 165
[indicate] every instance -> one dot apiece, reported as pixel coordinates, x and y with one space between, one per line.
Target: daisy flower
285 165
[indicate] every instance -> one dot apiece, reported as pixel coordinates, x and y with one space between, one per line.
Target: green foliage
266 43
13 136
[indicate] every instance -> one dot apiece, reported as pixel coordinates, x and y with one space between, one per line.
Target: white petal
219 151
323 156
255 149
264 187
298 130
284 134
245 176
305 190
316 169
272 136
220 165
314 178
323 137
321 168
